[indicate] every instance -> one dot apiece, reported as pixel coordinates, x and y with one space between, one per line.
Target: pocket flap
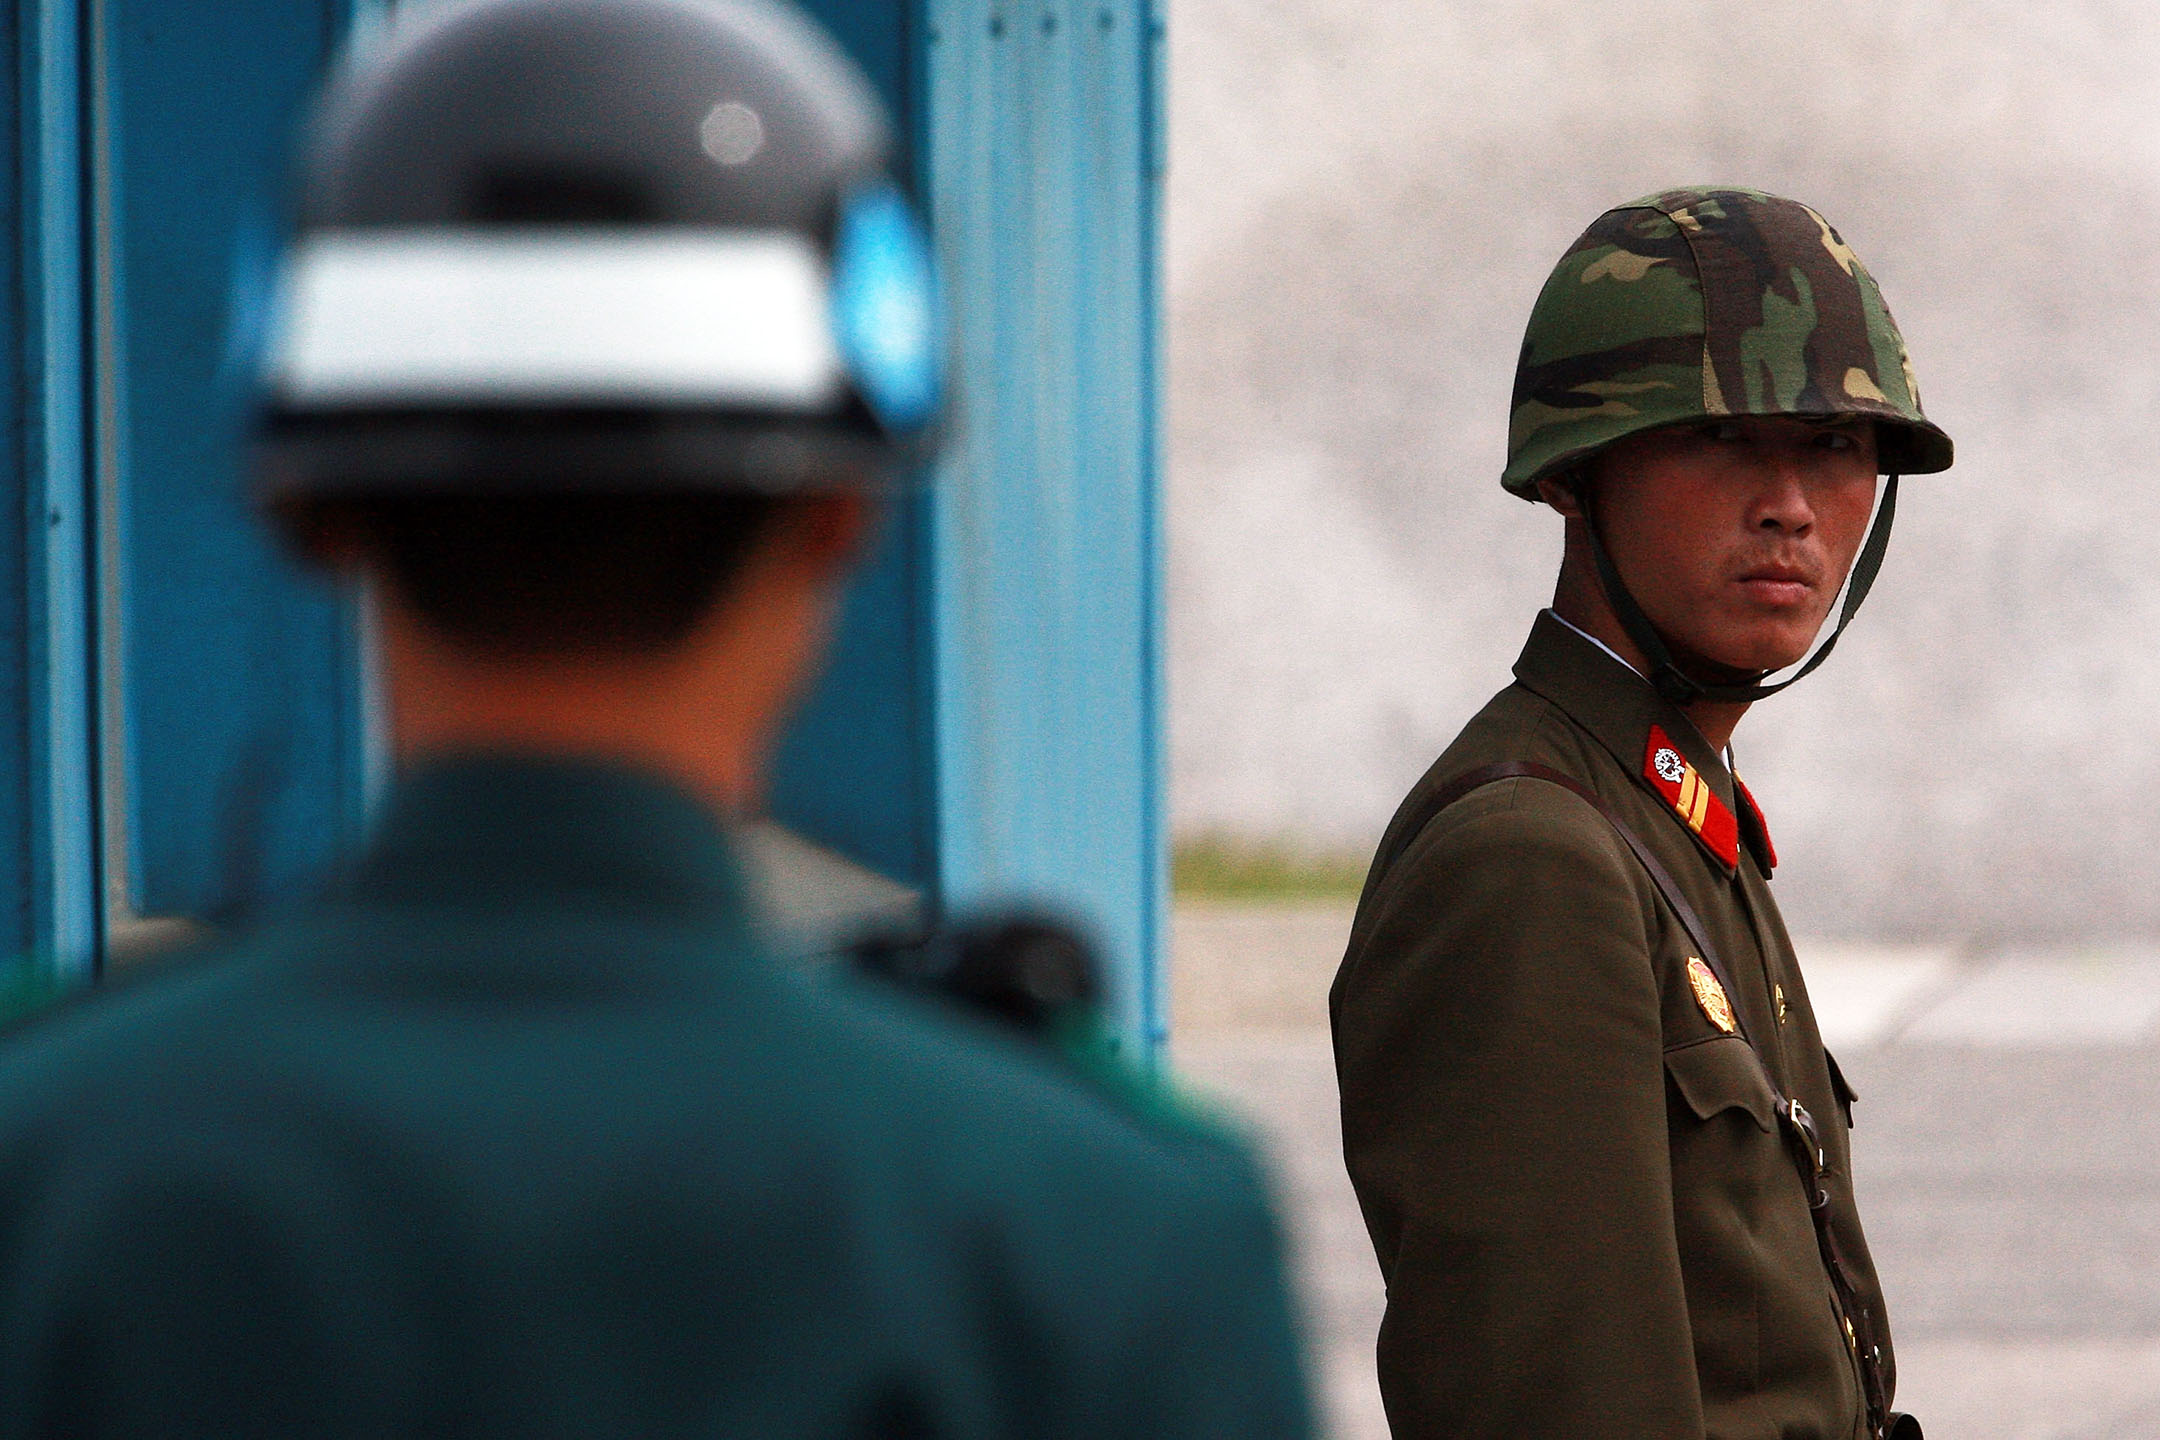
1841 1087
1722 1074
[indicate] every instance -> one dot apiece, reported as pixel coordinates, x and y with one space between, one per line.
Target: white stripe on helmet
445 318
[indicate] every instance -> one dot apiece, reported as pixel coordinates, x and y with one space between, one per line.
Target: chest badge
1711 996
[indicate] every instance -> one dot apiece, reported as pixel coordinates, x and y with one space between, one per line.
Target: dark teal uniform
519 1131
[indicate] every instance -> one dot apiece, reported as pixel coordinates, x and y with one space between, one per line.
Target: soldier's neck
704 715
1586 608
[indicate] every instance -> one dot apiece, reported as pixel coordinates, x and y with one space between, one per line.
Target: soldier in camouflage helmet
1597 1139
1700 303
1696 304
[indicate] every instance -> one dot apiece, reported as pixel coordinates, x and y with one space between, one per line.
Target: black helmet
599 246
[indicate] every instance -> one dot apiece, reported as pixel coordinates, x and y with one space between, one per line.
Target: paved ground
2008 1152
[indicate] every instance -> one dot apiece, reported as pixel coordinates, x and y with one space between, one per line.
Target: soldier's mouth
1778 585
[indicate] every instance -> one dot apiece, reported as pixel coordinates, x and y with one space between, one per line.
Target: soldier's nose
1783 502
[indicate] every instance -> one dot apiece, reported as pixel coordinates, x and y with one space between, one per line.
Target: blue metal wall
188 709
49 832
992 723
858 770
238 771
1047 541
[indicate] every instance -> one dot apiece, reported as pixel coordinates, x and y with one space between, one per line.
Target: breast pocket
1720 1074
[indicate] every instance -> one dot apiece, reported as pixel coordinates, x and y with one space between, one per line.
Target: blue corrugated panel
48 798
17 242
855 771
242 706
1047 539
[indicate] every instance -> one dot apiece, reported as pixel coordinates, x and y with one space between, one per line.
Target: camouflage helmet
1702 302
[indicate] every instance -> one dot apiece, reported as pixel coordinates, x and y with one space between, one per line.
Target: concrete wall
1363 201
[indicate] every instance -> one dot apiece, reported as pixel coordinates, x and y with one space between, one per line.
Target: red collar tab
1766 852
1691 797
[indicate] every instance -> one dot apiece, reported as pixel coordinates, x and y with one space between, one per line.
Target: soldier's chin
1743 659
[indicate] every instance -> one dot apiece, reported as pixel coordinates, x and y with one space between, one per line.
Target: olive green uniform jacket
522 1132
1588 1218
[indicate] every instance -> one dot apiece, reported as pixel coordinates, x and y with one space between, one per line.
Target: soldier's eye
1720 430
1837 440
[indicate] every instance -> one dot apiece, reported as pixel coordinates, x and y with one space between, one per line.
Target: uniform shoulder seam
1520 812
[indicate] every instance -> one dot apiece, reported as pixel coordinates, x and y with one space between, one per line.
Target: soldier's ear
1558 491
323 535
827 533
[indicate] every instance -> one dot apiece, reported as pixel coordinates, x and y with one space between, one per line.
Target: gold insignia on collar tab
1692 798
1711 996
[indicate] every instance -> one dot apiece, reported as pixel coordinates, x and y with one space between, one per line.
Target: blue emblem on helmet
885 310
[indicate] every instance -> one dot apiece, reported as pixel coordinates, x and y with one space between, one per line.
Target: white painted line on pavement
2066 998
1862 993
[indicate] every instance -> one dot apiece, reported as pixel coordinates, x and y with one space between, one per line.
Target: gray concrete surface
2008 1154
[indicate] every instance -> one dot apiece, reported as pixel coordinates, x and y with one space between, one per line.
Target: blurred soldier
1598 1142
601 329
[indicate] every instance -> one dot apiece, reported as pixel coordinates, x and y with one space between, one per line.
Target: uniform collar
501 831
1577 629
1606 697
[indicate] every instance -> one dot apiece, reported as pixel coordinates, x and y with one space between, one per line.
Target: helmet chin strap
1675 684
